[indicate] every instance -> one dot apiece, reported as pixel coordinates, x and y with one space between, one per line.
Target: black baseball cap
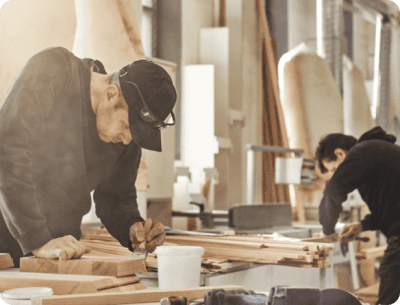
151 96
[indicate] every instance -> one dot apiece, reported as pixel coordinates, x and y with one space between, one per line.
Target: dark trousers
389 272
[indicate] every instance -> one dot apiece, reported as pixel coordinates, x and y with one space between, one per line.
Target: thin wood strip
134 297
131 287
104 237
254 256
262 251
302 242
218 240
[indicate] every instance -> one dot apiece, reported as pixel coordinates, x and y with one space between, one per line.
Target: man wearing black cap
66 129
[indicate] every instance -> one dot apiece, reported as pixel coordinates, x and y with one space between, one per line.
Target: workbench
257 277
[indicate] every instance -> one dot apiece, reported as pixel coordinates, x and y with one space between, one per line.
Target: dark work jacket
51 157
373 167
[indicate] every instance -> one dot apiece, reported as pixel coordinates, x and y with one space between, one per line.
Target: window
149 28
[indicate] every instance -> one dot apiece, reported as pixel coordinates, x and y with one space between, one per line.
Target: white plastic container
288 170
23 296
179 266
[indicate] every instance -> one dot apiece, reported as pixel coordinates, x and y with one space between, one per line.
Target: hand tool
233 297
174 301
344 246
139 251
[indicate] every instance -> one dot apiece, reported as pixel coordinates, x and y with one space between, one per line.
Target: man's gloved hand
64 248
155 237
350 232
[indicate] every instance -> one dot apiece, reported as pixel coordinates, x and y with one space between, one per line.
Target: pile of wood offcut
259 250
219 250
103 244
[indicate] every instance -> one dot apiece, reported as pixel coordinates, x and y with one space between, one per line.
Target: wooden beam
141 296
222 13
86 265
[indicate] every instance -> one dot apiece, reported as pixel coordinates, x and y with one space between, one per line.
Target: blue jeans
389 272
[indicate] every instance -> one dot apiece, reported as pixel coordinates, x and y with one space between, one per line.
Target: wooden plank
125 288
217 240
369 294
86 265
104 237
134 297
6 261
62 283
371 253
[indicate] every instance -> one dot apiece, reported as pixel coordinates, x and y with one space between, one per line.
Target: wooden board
86 265
125 288
371 253
142 296
369 294
6 261
62 283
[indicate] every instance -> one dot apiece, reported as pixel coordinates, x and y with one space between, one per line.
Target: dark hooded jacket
373 167
51 158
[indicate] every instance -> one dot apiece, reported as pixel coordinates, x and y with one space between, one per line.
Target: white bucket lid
179 250
27 293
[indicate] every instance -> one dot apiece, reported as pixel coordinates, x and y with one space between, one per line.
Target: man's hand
332 238
64 248
350 232
155 237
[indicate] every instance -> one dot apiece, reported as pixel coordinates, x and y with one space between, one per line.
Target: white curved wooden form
357 107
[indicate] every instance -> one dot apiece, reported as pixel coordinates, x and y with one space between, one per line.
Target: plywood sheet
62 283
86 265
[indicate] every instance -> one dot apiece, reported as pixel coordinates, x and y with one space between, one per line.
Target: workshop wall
27 27
244 90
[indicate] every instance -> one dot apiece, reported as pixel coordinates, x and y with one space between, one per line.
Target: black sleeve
23 116
368 225
115 198
347 177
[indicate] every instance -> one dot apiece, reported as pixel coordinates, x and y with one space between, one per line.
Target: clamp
174 301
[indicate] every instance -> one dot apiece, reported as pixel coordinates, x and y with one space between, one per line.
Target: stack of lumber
371 253
218 250
134 297
69 283
103 244
369 294
5 261
259 250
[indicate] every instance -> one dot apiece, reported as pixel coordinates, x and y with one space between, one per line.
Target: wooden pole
222 13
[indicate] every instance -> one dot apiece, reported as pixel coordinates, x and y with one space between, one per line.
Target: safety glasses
148 117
